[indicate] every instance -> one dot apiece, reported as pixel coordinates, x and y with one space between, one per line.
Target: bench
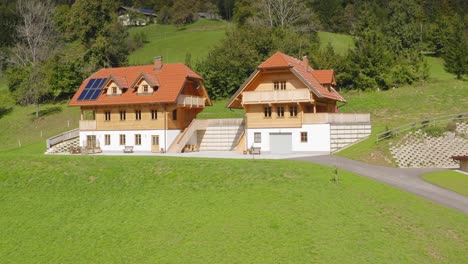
128 149
255 150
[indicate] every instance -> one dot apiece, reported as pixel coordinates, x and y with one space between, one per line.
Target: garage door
280 143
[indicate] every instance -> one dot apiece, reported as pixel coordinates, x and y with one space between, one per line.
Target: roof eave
234 96
313 89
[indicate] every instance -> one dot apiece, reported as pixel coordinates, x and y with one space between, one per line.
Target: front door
154 143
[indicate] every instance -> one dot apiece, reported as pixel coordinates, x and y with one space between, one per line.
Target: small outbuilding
463 161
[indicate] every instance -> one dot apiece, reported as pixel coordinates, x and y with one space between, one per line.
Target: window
114 90
137 114
145 88
283 85
174 114
267 111
154 114
155 141
280 111
257 137
292 110
122 139
107 140
304 137
122 115
279 85
107 115
137 139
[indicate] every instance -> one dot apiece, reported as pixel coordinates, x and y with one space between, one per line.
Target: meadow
102 209
175 43
452 180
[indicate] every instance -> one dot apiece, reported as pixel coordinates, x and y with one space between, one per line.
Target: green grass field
341 43
82 209
452 180
174 43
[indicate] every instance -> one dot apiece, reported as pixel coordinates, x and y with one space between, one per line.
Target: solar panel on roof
90 83
92 89
95 94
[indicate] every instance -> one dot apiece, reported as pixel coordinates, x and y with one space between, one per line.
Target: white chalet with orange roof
144 108
290 107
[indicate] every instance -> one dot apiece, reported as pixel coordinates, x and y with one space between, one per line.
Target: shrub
434 131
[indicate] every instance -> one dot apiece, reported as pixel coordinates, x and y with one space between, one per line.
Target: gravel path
405 179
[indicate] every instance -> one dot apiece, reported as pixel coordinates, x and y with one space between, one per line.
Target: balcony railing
276 96
87 124
336 118
191 101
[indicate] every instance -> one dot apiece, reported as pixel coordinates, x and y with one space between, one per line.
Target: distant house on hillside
290 107
129 16
142 107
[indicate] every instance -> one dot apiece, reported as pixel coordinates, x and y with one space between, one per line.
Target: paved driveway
405 179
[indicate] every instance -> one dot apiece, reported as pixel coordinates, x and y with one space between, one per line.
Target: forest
49 47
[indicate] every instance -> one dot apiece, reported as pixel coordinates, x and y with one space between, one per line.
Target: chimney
305 62
158 63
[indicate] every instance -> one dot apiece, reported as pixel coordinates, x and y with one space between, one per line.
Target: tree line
390 40
49 47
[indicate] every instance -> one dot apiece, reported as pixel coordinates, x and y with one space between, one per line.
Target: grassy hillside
341 43
82 209
441 95
174 43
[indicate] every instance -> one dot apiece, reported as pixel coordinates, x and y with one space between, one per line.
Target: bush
434 131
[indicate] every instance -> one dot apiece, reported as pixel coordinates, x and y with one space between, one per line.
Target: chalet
142 107
130 16
290 107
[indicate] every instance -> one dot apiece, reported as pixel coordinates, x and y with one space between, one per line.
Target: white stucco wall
130 139
318 138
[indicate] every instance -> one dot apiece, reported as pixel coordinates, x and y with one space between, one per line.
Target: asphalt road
402 178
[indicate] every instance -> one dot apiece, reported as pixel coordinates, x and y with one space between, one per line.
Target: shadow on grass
48 111
5 111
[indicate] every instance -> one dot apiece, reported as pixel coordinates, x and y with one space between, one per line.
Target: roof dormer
146 83
115 85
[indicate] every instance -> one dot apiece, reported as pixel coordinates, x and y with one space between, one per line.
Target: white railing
298 95
336 118
87 124
191 101
62 137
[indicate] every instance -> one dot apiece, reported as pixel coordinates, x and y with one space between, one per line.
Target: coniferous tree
456 52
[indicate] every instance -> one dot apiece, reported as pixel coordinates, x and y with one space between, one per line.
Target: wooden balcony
87 124
336 118
277 96
191 101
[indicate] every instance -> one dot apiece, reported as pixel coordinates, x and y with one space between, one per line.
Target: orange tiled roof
324 76
170 79
281 60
